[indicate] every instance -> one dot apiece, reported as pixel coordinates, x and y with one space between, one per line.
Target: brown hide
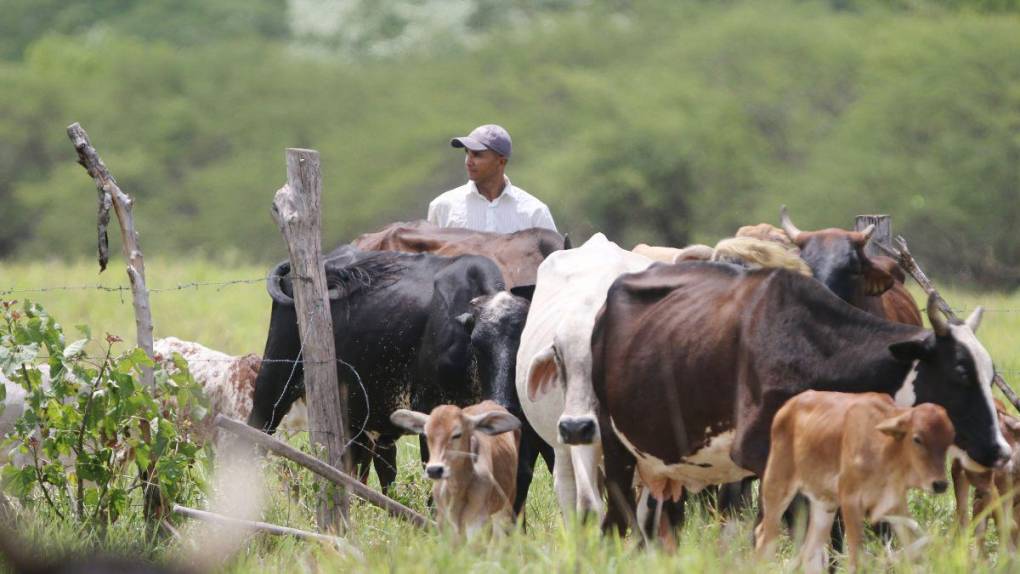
517 255
858 452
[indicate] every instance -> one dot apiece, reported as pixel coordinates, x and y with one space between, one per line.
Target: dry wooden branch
266 527
324 470
110 193
902 254
296 211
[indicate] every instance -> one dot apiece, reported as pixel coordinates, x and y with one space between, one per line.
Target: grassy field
234 317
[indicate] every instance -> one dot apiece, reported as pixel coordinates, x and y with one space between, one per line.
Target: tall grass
234 318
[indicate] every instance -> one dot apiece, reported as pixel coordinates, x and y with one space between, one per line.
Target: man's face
483 165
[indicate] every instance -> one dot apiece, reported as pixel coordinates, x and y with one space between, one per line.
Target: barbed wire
122 288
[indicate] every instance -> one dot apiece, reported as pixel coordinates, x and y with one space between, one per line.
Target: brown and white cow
228 382
517 255
473 461
837 259
858 453
690 363
994 491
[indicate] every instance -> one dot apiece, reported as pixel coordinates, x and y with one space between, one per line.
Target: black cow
411 331
691 362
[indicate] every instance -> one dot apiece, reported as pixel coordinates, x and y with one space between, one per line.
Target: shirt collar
508 191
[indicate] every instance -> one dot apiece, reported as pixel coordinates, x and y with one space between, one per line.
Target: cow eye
917 440
455 435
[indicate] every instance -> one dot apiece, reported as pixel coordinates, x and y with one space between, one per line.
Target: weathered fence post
110 194
882 234
296 211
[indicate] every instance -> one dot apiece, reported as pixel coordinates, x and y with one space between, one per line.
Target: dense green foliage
655 121
90 430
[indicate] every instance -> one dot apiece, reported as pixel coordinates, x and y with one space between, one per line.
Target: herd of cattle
778 353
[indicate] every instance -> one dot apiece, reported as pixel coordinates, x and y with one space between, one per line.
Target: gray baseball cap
489 136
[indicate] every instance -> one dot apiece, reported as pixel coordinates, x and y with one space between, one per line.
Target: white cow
554 363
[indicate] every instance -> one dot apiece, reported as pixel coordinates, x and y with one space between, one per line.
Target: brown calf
472 459
858 453
989 486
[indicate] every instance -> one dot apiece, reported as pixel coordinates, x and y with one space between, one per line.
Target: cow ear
974 320
876 279
467 320
524 291
914 350
542 373
495 422
896 426
412 421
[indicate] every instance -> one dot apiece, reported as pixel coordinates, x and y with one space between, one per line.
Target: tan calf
989 486
858 453
473 461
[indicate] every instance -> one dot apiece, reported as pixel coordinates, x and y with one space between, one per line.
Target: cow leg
813 556
981 500
619 466
385 461
853 523
734 497
563 482
961 490
585 461
531 444
777 491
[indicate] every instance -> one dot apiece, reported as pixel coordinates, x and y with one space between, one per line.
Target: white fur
570 289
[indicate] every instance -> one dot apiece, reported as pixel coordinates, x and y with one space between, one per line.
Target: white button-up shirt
514 210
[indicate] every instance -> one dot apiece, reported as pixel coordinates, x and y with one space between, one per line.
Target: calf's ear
495 422
542 373
910 351
412 421
896 426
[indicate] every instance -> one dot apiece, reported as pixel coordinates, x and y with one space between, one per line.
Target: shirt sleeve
543 218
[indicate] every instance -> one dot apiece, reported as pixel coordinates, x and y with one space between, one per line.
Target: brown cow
859 453
517 255
691 362
989 487
837 259
472 459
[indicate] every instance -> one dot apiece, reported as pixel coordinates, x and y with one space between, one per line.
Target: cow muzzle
436 471
939 486
577 430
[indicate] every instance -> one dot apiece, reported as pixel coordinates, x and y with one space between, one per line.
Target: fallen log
266 527
906 260
322 469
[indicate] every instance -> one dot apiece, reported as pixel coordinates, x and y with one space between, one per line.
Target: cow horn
938 321
791 230
866 233
274 284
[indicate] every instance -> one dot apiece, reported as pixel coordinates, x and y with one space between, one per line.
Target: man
488 201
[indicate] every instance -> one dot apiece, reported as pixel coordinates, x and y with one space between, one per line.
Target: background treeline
659 121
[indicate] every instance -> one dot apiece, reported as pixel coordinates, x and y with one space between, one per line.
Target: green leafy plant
91 432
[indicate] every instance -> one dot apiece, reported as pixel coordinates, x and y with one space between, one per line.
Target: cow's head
837 259
494 323
921 438
952 369
565 366
450 431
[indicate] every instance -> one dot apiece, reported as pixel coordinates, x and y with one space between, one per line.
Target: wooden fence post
110 194
882 234
296 211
